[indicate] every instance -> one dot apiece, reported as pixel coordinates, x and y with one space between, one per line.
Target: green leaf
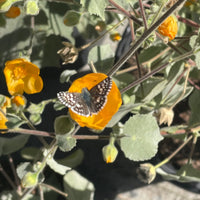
72 160
55 166
14 121
95 7
23 168
5 5
140 142
123 110
65 142
102 57
35 119
77 187
194 104
11 145
63 125
151 88
176 93
186 174
37 108
30 153
126 4
66 74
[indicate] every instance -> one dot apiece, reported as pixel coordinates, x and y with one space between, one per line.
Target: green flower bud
32 7
71 18
30 179
146 172
109 153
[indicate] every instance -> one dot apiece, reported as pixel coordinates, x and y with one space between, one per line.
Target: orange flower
13 12
22 76
18 100
115 37
169 27
189 2
96 121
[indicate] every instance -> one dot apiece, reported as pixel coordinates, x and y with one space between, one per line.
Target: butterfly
88 102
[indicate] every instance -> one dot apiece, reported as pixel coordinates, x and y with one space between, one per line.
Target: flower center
19 72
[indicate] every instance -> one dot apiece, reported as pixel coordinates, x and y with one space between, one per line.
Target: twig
155 71
143 14
125 12
54 189
41 192
15 174
145 35
7 177
174 153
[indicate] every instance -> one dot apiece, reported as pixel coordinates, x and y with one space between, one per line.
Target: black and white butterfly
87 102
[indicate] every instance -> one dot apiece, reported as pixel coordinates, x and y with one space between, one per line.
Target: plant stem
174 153
101 36
143 15
7 177
54 189
178 79
192 148
125 12
17 182
184 88
145 35
155 71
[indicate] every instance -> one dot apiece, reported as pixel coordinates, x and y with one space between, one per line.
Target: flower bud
18 102
109 153
32 7
13 12
71 18
165 115
69 53
100 26
30 179
115 37
146 172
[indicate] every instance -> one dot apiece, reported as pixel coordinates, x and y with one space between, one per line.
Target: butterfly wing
75 102
99 95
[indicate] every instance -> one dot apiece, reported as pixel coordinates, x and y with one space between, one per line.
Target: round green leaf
71 18
142 137
63 125
65 142
77 187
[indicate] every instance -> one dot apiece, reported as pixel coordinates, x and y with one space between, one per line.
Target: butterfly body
88 102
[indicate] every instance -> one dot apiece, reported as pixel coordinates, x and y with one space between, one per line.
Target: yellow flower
13 12
22 76
115 37
96 121
169 27
3 118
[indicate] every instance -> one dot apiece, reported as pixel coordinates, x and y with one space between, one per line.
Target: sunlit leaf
78 187
142 136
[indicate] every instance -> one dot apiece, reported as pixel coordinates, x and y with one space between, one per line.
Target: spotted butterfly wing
74 102
87 102
99 94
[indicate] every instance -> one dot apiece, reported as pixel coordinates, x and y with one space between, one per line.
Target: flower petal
33 84
99 120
